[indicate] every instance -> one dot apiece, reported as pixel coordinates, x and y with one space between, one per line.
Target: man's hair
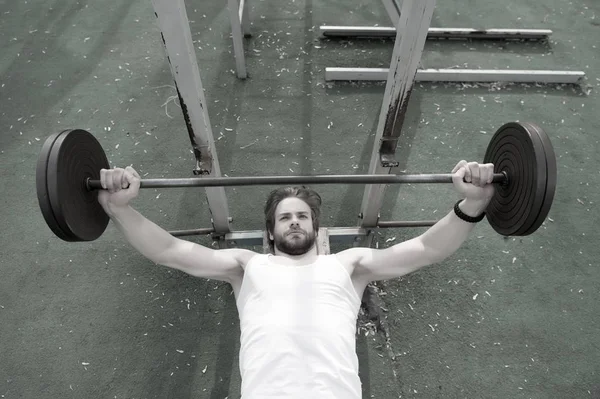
308 195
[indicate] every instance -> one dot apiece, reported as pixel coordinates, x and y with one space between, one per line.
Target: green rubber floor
501 318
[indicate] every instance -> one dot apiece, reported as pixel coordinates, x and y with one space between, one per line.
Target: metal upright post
415 19
236 15
177 39
393 11
245 18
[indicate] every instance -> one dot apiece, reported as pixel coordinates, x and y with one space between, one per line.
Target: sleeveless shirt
298 328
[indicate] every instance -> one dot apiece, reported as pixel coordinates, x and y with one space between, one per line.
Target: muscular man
298 309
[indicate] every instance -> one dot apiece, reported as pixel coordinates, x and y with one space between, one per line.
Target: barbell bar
69 164
501 178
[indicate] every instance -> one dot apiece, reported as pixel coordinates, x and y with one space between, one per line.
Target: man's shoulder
351 257
242 256
246 256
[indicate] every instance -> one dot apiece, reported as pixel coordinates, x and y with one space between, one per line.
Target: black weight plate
75 156
541 178
42 187
551 177
516 150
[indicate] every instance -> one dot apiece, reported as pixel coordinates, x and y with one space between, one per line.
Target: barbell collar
293 180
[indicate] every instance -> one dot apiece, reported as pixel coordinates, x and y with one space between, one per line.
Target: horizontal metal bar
284 180
491 34
438 33
336 234
415 223
250 237
460 75
192 232
340 235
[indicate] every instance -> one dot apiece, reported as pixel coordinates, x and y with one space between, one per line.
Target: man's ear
271 236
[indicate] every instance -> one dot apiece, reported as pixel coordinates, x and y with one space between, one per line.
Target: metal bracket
200 171
204 160
389 161
387 152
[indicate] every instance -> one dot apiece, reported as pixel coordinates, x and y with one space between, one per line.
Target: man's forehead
292 205
296 212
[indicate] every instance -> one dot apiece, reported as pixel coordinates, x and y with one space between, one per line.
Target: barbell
68 177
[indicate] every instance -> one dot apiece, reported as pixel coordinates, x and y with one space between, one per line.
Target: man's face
293 232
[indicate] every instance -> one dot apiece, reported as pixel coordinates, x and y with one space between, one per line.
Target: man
298 309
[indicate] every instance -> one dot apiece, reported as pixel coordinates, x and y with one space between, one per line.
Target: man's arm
120 187
162 248
436 244
471 180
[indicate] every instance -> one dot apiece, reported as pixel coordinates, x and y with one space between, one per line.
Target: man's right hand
120 187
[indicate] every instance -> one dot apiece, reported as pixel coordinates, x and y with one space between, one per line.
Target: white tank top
298 328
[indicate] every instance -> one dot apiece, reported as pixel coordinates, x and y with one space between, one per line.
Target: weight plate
517 150
551 177
537 196
42 187
75 156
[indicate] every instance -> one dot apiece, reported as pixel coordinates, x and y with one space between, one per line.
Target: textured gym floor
501 318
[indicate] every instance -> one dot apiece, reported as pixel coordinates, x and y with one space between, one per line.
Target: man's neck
305 258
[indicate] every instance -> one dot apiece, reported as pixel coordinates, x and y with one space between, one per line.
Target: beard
295 245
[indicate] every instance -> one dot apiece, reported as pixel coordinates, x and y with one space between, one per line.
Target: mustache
292 231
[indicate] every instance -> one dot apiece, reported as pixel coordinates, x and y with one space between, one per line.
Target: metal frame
238 15
240 28
413 26
177 39
447 75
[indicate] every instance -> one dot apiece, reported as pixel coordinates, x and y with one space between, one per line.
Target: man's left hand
474 181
